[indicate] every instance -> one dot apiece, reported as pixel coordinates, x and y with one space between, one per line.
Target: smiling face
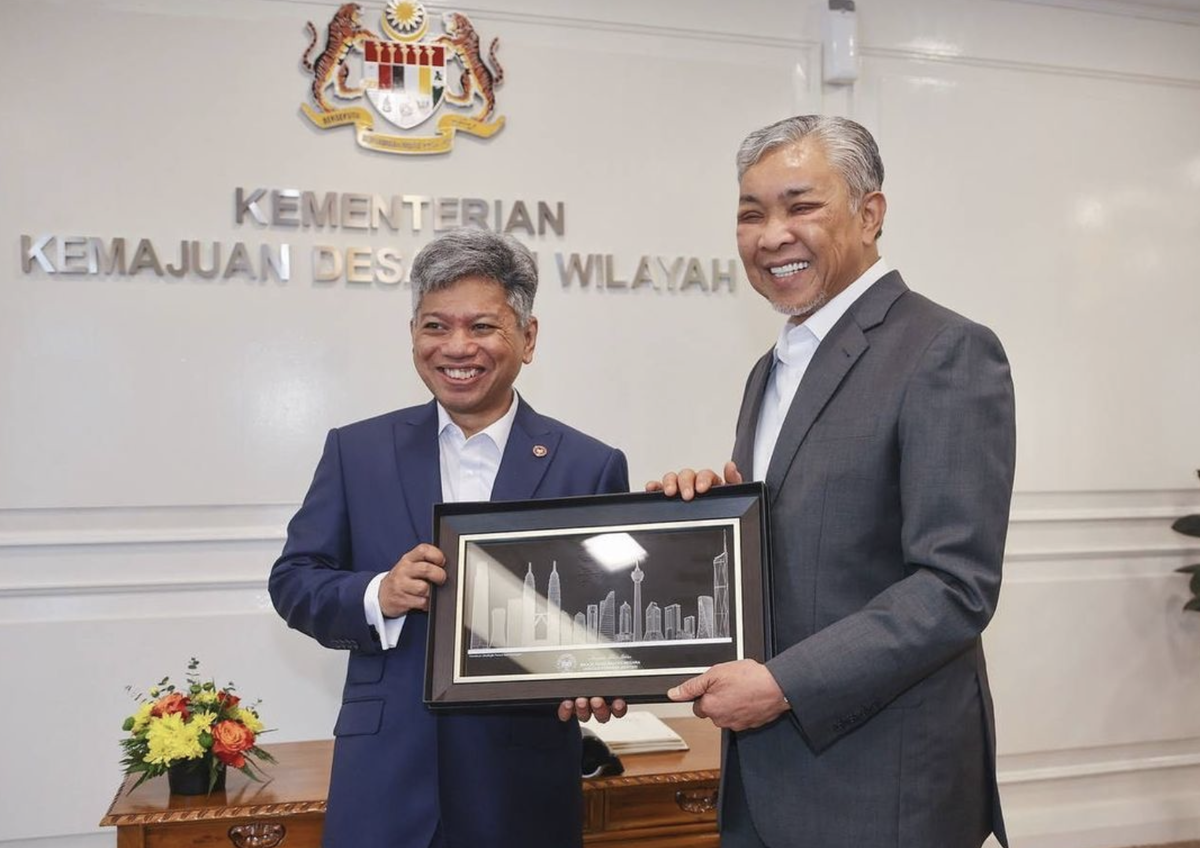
468 348
799 239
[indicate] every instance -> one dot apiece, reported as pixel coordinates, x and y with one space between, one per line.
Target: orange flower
176 702
230 739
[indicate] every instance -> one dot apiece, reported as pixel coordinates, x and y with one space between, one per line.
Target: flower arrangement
202 726
1189 525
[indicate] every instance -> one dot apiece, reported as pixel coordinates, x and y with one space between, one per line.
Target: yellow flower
169 740
203 721
204 698
250 719
141 718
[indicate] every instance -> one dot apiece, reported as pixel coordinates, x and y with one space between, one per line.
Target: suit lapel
835 356
418 467
747 426
532 445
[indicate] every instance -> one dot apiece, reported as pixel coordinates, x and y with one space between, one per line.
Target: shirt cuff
387 628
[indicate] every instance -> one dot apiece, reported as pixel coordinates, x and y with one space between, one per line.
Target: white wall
1043 177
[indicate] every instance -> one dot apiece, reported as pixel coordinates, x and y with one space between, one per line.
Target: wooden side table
663 800
666 800
290 804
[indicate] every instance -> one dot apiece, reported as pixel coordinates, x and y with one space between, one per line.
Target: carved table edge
213 813
598 783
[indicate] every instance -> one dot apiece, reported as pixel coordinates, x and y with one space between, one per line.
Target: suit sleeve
614 476
313 584
956 440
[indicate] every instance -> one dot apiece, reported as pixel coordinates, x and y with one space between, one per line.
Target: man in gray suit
882 424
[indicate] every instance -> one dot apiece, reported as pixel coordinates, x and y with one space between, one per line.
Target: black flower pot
191 777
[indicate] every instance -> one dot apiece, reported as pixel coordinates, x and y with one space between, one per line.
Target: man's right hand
409 584
688 483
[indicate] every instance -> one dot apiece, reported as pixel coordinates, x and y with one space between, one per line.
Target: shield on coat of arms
404 81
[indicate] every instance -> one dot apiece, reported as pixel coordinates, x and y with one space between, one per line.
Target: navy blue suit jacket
505 779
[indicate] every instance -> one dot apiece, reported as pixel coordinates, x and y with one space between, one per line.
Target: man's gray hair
472 252
849 147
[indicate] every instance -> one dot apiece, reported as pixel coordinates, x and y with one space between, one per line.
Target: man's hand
409 584
688 483
737 695
597 708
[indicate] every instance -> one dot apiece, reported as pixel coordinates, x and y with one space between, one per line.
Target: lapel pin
539 451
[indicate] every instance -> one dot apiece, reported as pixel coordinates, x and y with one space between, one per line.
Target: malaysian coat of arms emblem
405 77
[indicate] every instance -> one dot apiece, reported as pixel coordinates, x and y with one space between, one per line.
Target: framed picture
611 595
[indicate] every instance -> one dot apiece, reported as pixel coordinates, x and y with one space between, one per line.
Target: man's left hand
597 708
739 695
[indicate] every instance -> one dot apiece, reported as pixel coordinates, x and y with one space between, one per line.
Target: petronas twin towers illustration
530 620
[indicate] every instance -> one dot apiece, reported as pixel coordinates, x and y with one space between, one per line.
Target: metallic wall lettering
358 265
693 276
356 211
90 255
598 271
294 208
723 278
285 205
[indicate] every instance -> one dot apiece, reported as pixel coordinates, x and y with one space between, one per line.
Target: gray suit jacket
890 487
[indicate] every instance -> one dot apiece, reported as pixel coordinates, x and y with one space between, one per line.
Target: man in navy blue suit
358 568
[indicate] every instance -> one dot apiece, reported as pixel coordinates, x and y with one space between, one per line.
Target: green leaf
1194 583
1193 605
1189 525
1189 569
261 754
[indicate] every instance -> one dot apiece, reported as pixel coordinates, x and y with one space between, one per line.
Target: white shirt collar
821 322
498 431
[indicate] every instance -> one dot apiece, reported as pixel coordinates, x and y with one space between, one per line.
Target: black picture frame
539 600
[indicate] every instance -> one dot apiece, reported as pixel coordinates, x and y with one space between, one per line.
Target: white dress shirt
469 468
794 351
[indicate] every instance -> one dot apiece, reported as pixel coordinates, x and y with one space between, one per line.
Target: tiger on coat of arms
346 33
477 77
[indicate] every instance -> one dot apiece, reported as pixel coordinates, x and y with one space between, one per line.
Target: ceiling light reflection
614 551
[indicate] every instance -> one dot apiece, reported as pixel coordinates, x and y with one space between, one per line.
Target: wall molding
141 587
1126 9
181 524
135 536
174 524
184 524
1023 66
1105 514
1126 765
477 13
1100 553
259 582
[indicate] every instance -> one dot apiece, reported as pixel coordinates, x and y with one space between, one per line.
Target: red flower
226 700
176 702
230 739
